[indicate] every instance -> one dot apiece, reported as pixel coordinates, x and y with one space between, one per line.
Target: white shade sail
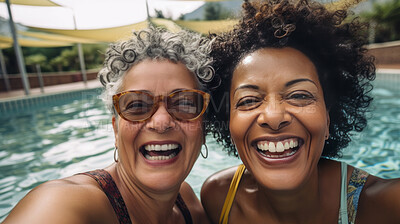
32 2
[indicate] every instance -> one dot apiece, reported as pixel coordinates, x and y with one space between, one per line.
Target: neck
144 205
302 204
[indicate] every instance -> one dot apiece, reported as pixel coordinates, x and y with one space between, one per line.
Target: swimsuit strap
231 194
109 187
356 184
184 209
349 199
343 219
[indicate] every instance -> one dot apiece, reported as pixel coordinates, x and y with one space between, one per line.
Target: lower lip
279 161
160 162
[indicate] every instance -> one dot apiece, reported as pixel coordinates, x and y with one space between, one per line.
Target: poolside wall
10 107
49 79
386 53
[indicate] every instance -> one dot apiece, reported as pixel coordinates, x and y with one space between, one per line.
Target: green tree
159 14
36 59
181 17
386 16
94 55
56 59
58 63
68 60
212 10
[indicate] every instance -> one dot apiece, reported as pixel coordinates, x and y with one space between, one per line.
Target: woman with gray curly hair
154 86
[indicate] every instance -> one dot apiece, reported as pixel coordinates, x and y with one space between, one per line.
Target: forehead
159 76
274 65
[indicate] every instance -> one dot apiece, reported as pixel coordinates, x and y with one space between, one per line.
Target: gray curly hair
189 48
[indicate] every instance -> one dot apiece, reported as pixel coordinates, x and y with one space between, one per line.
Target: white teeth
160 157
287 145
281 155
279 146
164 147
271 147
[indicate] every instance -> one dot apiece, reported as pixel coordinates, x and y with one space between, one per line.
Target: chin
162 184
280 180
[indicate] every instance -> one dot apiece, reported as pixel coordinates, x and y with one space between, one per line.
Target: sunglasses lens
185 105
136 106
139 106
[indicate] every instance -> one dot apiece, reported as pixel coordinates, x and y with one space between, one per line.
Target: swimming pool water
76 136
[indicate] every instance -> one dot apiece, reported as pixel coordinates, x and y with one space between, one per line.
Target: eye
137 107
183 104
248 103
300 98
135 104
182 101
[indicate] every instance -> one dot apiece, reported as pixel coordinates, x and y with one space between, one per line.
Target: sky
95 14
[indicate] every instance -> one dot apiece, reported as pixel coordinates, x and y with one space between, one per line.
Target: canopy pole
4 71
148 15
82 63
80 54
18 52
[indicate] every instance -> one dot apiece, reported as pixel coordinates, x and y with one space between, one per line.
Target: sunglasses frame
158 99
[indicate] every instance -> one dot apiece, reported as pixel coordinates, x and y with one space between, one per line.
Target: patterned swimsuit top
109 187
348 203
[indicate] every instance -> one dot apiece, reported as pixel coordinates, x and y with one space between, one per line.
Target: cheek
128 130
239 123
193 130
314 118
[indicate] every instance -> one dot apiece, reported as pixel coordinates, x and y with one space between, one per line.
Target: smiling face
278 118
158 153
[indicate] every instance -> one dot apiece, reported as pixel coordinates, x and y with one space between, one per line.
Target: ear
115 128
328 121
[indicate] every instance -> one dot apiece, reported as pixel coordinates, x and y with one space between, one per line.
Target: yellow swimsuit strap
231 194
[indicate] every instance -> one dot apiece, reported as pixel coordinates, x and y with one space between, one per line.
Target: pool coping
48 90
28 104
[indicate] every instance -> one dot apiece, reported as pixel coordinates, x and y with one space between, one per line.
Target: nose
161 121
273 114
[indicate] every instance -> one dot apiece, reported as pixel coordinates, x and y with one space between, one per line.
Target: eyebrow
298 80
246 87
151 93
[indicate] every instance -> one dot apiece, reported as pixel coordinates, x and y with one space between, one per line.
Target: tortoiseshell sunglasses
183 105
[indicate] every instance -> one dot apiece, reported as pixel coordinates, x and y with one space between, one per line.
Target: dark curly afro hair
335 46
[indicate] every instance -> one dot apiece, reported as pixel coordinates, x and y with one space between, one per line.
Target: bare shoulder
380 201
75 199
214 191
193 204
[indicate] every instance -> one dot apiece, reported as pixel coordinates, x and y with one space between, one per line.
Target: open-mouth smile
278 149
160 151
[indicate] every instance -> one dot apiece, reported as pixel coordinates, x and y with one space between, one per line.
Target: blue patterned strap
356 184
343 217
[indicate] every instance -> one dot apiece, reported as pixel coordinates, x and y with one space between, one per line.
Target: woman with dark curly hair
154 87
295 79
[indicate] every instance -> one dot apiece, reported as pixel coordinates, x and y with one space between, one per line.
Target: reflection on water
77 136
377 148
